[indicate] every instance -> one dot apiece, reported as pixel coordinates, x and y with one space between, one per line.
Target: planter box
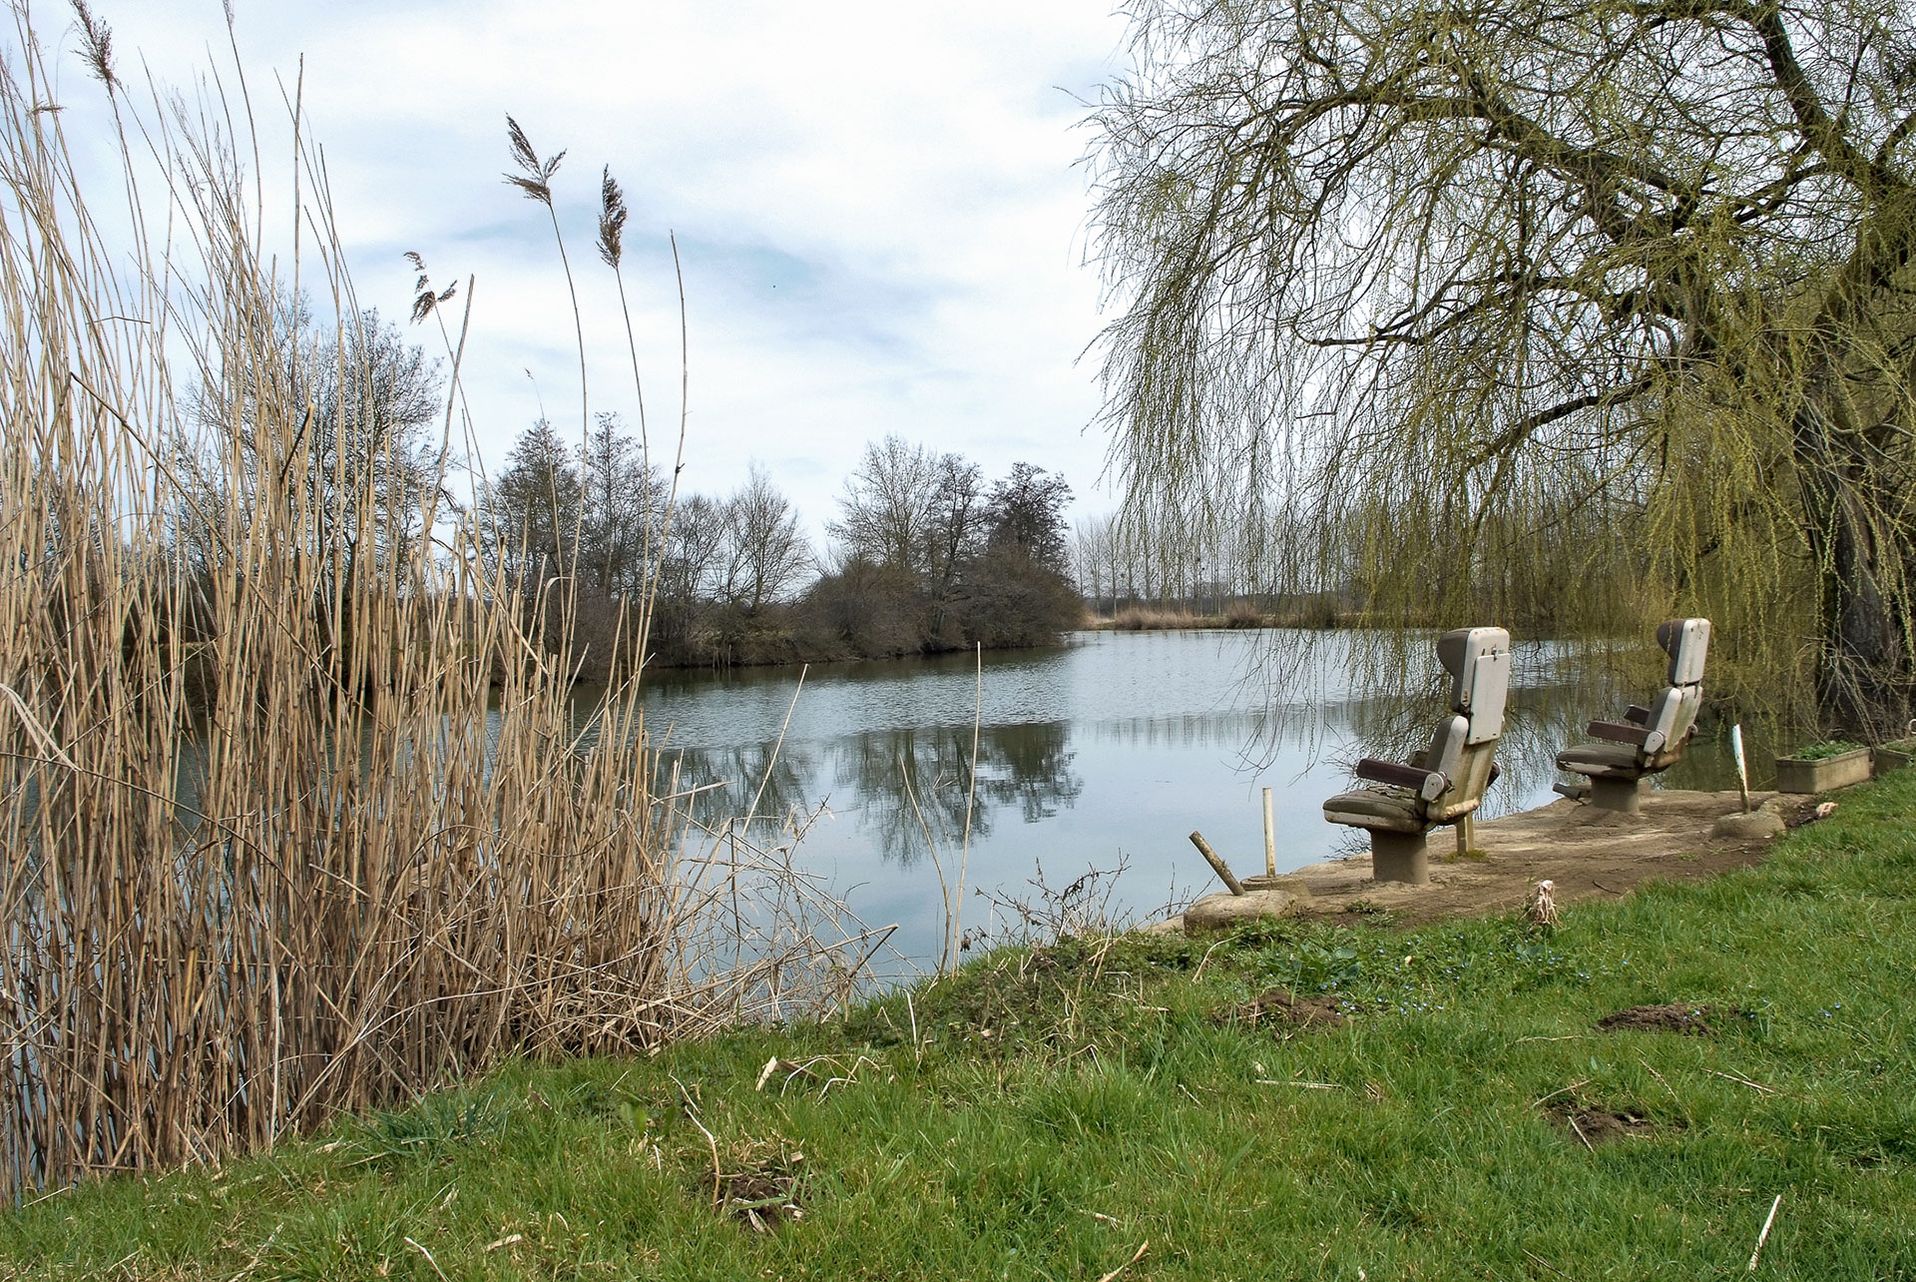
1894 756
1799 774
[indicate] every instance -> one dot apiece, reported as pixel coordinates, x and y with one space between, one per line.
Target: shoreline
1586 853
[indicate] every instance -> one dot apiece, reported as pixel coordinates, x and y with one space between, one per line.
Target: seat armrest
1428 784
1618 732
1637 714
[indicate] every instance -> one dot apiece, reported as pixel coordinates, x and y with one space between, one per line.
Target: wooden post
1464 834
1270 838
1217 863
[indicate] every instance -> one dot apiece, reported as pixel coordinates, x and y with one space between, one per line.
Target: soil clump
1283 1009
1669 1017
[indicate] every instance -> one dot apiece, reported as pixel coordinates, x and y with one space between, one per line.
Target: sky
880 209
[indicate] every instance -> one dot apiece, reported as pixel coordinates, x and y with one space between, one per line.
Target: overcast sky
878 207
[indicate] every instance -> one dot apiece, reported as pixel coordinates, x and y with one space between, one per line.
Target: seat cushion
1392 809
1600 759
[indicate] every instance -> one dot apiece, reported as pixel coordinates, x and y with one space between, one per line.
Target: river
1098 756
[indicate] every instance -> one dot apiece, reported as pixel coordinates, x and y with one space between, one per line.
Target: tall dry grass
296 815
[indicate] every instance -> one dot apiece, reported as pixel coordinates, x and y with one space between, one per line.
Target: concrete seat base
1399 856
1614 793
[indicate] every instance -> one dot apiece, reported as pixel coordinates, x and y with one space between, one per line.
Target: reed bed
297 811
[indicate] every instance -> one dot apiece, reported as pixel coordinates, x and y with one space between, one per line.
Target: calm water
1103 754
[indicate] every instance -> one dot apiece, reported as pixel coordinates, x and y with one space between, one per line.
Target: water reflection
905 789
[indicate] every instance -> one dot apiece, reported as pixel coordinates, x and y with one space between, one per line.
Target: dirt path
1586 854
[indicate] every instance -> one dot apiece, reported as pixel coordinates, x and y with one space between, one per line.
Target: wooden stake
1217 863
1270 838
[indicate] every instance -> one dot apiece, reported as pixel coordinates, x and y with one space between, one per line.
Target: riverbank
1624 1096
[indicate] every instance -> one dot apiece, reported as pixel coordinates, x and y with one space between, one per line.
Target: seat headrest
1460 650
1687 642
1478 661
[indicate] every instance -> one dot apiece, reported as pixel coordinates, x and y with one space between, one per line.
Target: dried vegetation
296 814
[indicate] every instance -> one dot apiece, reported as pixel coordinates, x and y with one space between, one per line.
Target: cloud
879 218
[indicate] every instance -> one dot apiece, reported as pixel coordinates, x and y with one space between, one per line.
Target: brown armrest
1428 784
1636 714
1618 732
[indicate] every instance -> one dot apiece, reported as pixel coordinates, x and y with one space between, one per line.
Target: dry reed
297 813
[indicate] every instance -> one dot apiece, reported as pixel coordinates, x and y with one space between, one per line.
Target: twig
1580 1135
1205 960
1538 1102
691 1111
1743 1081
1764 1236
443 1278
971 796
1142 1248
1547 1264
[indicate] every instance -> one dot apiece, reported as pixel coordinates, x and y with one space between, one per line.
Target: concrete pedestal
1399 856
1624 796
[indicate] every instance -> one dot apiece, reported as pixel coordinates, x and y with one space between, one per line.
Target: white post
1270 838
1742 768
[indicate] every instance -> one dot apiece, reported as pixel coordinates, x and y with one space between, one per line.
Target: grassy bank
1047 1112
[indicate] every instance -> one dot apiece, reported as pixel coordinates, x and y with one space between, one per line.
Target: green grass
1045 1112
1824 750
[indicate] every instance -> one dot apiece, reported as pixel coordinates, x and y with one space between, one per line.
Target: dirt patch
1597 1126
1280 1008
1670 1017
764 1195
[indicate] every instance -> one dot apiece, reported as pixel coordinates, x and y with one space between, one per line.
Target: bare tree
367 403
1641 267
766 554
889 506
623 496
533 508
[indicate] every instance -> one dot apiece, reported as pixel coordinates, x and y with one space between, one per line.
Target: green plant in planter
1825 750
1897 753
1834 763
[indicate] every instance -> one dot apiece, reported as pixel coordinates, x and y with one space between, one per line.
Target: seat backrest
1478 661
1687 642
1467 783
1673 715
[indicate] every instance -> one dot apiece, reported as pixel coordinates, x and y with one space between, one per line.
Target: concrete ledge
1587 853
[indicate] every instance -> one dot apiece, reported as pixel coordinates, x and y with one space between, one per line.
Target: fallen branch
1142 1248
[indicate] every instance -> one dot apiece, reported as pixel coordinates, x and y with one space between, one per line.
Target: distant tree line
924 555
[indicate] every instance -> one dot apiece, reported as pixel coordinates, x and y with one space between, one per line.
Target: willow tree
1611 294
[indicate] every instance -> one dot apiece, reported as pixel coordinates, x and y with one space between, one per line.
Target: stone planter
1894 756
1820 774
